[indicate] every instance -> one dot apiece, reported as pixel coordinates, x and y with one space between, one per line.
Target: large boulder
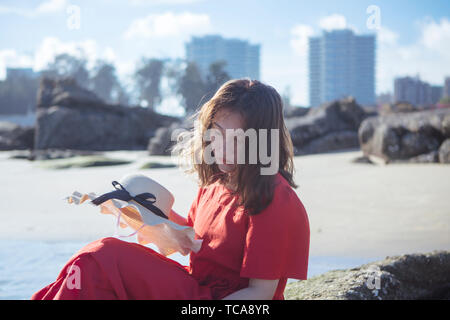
444 152
399 107
406 277
332 126
15 137
65 92
411 137
166 137
70 117
291 112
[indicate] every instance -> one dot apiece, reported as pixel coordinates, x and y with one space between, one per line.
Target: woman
255 229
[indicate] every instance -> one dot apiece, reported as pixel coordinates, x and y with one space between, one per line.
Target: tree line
184 78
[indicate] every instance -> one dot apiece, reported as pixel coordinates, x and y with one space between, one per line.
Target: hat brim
168 236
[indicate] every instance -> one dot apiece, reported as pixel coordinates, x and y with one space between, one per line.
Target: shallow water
27 266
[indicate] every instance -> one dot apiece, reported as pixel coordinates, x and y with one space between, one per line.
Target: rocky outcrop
15 137
444 152
70 117
414 137
292 112
399 107
160 144
165 138
406 277
330 127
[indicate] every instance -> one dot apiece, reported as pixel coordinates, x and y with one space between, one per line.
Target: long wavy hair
261 107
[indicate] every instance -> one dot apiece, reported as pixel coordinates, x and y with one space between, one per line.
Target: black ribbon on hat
145 199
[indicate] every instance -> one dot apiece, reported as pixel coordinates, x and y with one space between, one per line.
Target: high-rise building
412 90
242 58
21 73
436 94
341 64
447 88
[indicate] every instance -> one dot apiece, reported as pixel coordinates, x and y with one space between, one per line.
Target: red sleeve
193 209
277 240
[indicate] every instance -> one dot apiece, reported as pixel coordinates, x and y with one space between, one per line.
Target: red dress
273 244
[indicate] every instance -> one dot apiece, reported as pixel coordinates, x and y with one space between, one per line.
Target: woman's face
225 151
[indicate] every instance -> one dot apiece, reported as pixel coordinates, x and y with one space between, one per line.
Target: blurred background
93 90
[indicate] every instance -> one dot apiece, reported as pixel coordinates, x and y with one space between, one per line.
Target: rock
444 152
333 141
330 127
161 142
15 137
69 117
431 157
64 92
406 277
156 165
165 138
407 136
363 159
399 107
295 112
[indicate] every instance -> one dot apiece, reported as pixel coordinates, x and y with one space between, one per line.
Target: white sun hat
153 201
144 205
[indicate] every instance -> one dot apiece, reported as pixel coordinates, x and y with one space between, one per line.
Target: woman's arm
258 289
173 216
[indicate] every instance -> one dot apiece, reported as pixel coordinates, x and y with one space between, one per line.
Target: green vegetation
81 162
156 165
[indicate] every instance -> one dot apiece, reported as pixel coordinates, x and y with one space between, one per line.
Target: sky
413 37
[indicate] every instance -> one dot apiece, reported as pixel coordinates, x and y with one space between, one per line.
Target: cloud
386 36
333 22
51 47
299 41
168 24
162 2
46 7
428 56
51 6
11 58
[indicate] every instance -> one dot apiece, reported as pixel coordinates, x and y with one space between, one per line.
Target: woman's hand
174 217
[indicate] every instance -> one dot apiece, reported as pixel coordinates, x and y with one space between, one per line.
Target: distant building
242 58
437 93
384 98
412 90
447 88
14 73
341 64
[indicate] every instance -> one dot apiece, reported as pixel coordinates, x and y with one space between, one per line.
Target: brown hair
261 108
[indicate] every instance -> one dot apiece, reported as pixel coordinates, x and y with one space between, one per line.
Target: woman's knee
106 246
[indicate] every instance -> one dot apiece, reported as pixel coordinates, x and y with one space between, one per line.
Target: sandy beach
357 212
354 209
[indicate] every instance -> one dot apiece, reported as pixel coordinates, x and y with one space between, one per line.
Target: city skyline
413 38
